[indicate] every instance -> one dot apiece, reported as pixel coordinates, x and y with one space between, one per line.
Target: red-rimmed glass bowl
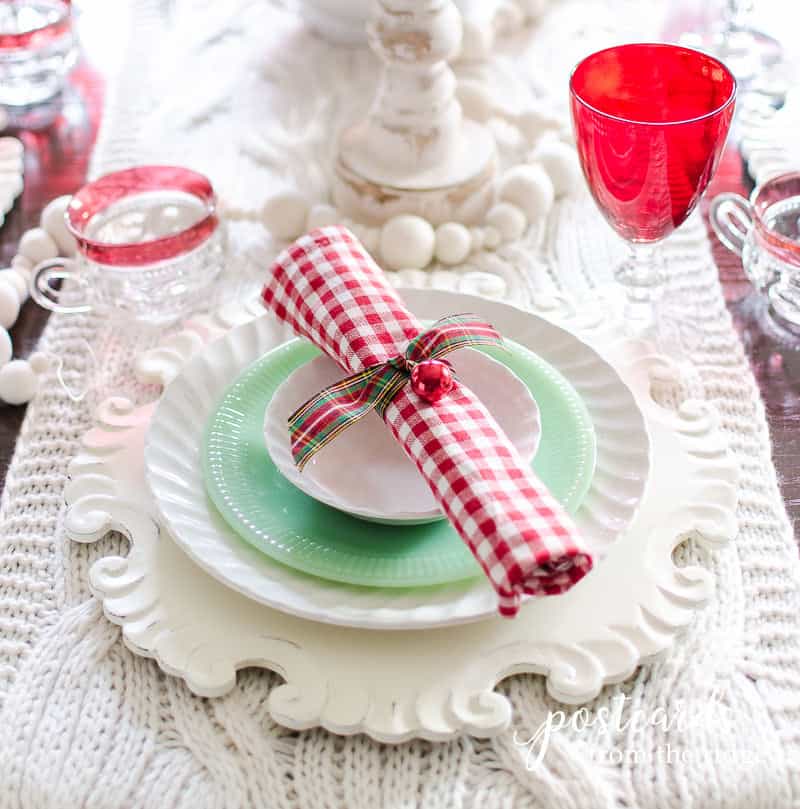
37 50
149 246
765 232
142 216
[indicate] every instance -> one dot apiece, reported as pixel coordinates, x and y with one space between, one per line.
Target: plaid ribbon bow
317 422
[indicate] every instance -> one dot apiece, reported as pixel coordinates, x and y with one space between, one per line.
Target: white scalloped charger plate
621 472
393 492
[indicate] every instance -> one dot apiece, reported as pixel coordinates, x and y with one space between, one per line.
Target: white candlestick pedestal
415 153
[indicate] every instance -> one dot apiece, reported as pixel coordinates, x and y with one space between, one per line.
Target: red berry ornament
432 379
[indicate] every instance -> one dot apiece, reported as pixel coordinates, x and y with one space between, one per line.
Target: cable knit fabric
87 723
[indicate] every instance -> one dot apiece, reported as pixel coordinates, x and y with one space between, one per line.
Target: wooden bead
22 263
534 123
321 216
18 382
54 223
9 305
369 237
407 241
529 188
508 219
6 349
453 243
11 147
16 280
476 237
561 163
475 100
37 245
285 215
12 164
491 238
39 361
10 182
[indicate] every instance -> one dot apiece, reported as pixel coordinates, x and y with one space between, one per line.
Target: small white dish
393 491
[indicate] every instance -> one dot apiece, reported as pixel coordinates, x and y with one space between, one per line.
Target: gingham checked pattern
324 416
329 290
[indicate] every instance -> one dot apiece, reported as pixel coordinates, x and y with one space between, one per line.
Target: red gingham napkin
329 290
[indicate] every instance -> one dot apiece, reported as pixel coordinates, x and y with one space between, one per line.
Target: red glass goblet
650 124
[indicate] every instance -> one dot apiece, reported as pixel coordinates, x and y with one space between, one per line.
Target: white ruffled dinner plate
174 473
392 490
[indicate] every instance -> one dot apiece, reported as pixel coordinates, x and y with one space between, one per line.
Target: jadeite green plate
277 518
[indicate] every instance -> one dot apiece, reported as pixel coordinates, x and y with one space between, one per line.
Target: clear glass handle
731 218
46 295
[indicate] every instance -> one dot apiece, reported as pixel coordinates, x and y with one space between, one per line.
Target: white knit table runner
247 96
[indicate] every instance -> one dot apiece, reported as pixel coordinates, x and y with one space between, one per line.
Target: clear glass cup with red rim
765 232
149 247
37 50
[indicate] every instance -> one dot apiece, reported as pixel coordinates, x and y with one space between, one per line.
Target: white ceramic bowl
393 491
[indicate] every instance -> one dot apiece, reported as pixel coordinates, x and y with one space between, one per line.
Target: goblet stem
641 277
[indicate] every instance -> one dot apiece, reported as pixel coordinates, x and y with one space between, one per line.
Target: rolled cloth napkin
329 290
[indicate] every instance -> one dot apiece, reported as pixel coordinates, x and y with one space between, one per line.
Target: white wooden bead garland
407 241
524 195
19 379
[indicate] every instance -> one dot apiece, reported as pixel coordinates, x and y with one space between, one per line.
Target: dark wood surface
56 161
774 353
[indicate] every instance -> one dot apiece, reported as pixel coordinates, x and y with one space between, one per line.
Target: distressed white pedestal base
459 190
